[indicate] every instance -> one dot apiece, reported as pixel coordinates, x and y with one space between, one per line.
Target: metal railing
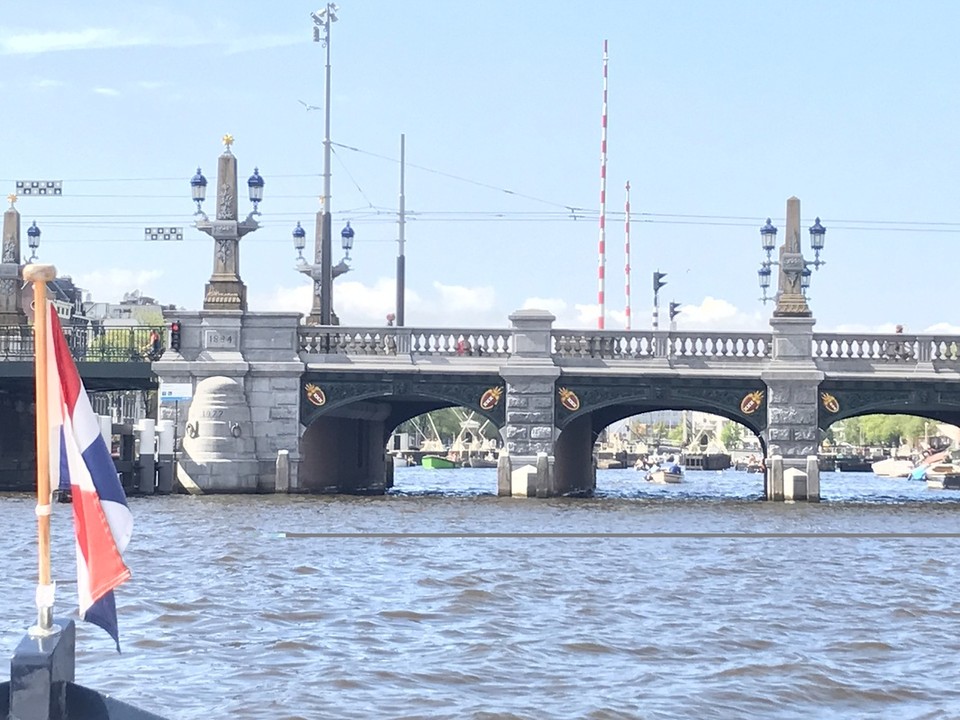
128 344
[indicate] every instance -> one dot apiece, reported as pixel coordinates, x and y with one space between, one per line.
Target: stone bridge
329 397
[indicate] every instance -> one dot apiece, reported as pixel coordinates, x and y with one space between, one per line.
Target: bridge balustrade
720 345
353 341
604 344
612 344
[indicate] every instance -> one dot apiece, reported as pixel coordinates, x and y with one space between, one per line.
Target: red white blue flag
79 454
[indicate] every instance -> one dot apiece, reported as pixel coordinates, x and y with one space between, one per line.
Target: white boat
664 476
943 476
893 467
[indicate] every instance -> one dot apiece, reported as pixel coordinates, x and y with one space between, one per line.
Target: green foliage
885 430
732 435
148 315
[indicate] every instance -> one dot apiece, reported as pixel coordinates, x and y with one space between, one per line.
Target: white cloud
716 314
111 92
104 38
109 285
87 39
941 328
44 83
359 304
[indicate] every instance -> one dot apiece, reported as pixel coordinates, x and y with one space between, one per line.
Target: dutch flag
79 455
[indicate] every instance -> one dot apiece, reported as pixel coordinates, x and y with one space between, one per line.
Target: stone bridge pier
242 422
792 434
532 466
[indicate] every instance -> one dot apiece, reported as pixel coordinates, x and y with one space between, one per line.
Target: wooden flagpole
40 275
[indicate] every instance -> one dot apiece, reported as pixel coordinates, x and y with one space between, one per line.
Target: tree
732 435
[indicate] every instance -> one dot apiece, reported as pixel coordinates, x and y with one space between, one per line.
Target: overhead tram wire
386 215
570 208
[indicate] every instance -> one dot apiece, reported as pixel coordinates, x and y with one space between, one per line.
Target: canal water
441 600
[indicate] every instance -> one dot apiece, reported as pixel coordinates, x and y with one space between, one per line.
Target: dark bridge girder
841 399
609 399
16 376
407 395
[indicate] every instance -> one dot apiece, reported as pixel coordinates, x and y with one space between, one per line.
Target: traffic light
175 336
658 280
674 309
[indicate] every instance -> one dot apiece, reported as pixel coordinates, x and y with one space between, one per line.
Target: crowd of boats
938 466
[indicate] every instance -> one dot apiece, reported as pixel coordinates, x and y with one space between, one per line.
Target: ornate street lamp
226 290
33 239
315 271
794 276
346 240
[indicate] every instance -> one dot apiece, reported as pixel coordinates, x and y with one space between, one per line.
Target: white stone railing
894 348
614 344
606 344
374 341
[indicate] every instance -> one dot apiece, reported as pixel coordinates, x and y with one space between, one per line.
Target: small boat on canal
664 476
438 462
943 476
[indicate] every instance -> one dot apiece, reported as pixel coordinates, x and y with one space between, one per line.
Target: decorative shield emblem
751 402
315 394
569 399
830 403
490 398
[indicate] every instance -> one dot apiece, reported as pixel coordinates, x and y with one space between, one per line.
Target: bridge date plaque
218 339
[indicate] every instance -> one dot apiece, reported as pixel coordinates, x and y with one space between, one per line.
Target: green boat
437 463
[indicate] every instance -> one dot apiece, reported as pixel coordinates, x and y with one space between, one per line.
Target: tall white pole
626 254
401 260
602 250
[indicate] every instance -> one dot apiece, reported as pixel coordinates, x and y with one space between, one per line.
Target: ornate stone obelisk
11 277
791 301
226 290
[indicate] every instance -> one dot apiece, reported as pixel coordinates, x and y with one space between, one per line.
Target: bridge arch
588 404
347 419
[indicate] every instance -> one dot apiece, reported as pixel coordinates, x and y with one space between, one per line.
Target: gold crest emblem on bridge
751 402
315 394
490 398
569 399
830 403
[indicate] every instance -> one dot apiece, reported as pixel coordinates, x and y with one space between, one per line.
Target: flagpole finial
35 272
12 197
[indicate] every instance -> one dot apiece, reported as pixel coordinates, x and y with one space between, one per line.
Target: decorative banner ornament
751 402
490 398
830 402
315 394
569 399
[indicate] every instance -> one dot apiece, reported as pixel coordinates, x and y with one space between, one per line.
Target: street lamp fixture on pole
315 270
322 311
33 239
226 290
793 279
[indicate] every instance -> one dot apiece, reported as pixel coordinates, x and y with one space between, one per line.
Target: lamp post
322 311
793 279
315 271
226 290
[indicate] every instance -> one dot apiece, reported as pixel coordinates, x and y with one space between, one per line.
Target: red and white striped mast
626 253
602 249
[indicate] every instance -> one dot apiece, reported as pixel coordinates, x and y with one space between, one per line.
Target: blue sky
718 112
